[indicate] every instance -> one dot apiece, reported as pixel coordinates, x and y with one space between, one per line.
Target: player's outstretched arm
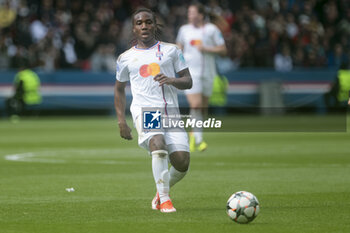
217 50
119 105
184 81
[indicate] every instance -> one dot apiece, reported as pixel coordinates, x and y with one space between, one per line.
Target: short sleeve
179 60
217 37
122 73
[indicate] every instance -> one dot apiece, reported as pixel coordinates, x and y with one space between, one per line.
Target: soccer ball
242 207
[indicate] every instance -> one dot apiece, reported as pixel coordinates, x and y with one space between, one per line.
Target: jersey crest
159 54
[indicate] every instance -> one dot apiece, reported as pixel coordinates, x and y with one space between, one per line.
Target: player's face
193 15
144 27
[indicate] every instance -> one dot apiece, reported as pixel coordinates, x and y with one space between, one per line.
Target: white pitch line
42 156
30 157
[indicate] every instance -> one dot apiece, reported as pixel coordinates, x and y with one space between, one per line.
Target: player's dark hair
200 8
210 15
158 31
143 9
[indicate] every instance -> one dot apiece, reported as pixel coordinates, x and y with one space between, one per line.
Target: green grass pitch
302 181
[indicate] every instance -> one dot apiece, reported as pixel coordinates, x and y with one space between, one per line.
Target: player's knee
157 142
181 161
185 163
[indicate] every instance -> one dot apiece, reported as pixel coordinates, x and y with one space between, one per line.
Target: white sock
175 176
161 173
197 133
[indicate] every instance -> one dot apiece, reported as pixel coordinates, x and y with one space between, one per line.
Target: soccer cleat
156 202
202 146
192 143
167 207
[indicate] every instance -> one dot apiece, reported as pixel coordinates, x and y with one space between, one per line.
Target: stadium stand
73 45
88 35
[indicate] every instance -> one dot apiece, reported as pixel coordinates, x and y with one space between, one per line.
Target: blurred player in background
151 66
201 41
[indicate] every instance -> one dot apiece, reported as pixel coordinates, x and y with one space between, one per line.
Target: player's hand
349 102
125 131
162 79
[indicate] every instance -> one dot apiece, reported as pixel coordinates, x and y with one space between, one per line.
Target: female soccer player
201 42
150 66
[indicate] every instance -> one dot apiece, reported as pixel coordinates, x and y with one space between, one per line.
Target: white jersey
139 66
208 35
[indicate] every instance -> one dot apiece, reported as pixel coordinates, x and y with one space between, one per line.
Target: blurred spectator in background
218 99
283 61
343 84
26 91
67 56
337 56
69 34
103 59
339 92
4 54
7 14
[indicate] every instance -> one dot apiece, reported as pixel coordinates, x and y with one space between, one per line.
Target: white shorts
175 141
201 85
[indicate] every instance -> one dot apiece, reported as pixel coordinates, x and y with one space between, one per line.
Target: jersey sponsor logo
149 70
152 119
195 42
